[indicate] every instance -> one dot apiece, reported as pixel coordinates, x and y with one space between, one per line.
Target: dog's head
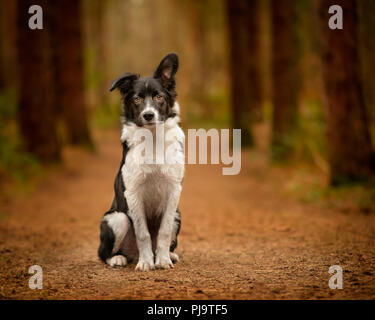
149 100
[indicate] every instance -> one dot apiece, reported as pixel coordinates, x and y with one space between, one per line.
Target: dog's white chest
152 183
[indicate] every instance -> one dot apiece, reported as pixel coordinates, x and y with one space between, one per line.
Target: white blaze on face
150 109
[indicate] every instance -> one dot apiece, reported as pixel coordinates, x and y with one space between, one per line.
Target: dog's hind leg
176 229
113 229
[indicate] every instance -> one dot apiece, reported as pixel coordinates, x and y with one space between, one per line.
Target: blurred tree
254 58
243 56
284 79
265 51
69 76
367 57
309 69
200 75
8 65
36 112
351 157
97 11
237 14
2 43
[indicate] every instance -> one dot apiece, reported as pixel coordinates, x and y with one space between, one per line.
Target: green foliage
106 116
93 76
15 164
283 149
8 105
307 143
350 198
211 112
309 186
310 144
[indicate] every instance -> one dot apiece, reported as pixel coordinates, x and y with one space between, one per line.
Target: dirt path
241 238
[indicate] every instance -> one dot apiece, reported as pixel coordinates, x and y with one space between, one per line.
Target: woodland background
272 67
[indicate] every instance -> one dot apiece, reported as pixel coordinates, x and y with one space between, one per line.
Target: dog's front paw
163 262
144 265
115 261
174 257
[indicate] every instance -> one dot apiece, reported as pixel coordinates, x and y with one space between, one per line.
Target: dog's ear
167 69
122 83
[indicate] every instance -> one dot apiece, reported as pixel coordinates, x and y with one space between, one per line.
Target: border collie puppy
144 220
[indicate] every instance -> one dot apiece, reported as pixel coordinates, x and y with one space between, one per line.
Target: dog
144 220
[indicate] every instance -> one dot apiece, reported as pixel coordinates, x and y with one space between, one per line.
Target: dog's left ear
167 69
122 83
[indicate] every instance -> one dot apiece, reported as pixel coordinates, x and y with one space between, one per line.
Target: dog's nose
148 116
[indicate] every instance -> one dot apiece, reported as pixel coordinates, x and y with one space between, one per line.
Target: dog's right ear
167 69
122 83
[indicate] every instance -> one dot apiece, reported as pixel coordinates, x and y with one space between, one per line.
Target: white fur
154 189
118 260
174 256
119 223
149 108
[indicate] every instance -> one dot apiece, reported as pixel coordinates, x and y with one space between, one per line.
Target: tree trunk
351 157
200 75
36 113
99 8
69 71
367 57
8 43
2 44
238 11
254 59
284 79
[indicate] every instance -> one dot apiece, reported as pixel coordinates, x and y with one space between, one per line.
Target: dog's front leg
142 235
163 260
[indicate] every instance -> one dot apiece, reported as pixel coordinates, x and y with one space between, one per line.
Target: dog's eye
137 100
158 97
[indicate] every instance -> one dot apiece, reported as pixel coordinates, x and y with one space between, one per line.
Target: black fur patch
107 240
119 202
177 221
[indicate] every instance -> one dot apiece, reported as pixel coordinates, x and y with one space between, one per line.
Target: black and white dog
144 220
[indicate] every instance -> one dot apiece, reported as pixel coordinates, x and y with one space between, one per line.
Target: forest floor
242 237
